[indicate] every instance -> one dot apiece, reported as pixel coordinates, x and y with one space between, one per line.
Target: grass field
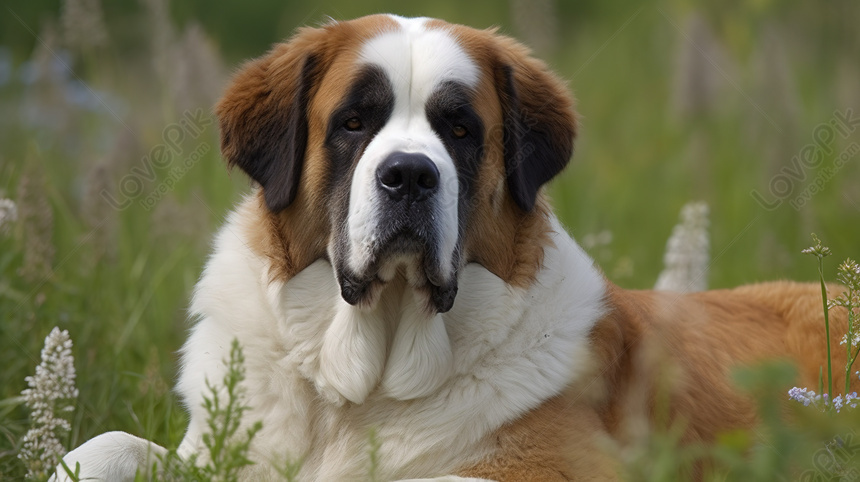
108 147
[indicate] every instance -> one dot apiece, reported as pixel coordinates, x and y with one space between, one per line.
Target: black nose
413 176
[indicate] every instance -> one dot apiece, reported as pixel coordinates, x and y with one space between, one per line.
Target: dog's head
399 147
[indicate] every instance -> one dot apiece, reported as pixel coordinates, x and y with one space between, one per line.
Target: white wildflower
698 83
51 393
804 396
686 258
36 216
851 399
83 25
855 340
809 397
849 273
818 249
195 74
8 214
163 37
837 402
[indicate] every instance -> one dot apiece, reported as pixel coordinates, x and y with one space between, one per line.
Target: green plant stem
848 358
848 371
826 329
851 359
850 338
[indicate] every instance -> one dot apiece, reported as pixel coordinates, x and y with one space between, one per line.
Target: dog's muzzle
406 231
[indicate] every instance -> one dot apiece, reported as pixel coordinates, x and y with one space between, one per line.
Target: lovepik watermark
163 156
837 460
787 185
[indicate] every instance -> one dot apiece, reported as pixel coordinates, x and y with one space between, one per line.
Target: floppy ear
539 124
263 118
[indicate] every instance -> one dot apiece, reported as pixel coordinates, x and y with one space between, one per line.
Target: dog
398 269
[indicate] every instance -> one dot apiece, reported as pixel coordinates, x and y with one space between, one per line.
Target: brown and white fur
399 270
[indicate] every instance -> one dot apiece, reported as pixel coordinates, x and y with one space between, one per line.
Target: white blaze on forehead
417 59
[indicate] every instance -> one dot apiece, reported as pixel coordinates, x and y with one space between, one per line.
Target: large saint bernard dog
399 270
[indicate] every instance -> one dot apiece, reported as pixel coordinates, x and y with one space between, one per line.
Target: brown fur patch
500 236
662 358
558 441
265 88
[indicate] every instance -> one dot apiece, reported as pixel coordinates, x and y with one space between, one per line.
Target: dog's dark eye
353 124
459 131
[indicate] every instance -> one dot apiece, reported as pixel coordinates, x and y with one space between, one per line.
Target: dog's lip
352 288
442 298
433 278
416 262
433 275
355 289
404 242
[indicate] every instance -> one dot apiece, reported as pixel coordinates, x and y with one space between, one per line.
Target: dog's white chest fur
511 350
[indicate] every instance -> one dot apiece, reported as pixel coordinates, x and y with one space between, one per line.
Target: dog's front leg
111 456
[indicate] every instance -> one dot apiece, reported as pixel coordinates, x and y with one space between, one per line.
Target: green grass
122 289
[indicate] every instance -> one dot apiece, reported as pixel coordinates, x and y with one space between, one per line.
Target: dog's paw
111 456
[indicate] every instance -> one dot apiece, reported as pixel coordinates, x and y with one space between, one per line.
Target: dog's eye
352 124
459 131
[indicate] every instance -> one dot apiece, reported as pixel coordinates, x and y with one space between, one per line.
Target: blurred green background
679 101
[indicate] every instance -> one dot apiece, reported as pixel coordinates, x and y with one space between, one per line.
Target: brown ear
263 117
539 122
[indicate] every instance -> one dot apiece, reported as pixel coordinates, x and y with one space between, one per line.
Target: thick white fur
353 353
421 358
511 350
113 456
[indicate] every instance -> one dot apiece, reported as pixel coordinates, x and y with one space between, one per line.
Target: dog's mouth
407 253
